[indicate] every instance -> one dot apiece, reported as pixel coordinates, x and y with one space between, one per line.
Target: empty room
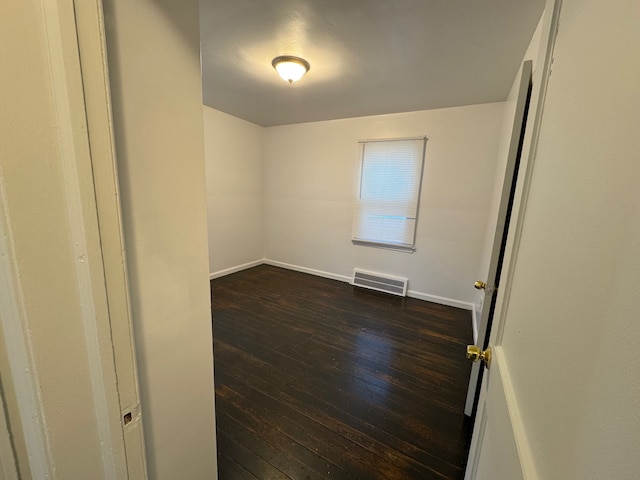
291 239
355 159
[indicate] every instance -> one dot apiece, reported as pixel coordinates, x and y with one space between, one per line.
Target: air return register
380 282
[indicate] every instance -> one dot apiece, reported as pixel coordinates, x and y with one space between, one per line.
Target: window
388 192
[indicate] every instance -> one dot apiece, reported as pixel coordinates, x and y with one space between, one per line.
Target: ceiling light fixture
290 68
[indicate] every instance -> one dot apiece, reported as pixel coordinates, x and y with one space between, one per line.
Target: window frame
401 247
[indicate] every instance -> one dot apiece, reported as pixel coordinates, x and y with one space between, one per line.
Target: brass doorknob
480 285
475 354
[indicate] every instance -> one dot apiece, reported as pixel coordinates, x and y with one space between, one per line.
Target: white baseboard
451 302
312 271
345 278
237 268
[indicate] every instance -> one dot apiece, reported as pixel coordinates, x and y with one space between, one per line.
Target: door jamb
96 285
91 36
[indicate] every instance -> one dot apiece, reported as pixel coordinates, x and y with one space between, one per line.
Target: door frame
92 49
541 75
505 210
74 47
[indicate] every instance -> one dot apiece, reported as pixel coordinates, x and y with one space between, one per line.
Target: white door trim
81 211
519 433
91 39
14 323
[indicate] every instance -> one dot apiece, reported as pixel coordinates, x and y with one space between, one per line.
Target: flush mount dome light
290 68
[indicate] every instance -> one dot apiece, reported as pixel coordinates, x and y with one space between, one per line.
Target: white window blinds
388 192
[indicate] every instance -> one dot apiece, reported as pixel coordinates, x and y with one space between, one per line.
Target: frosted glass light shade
290 68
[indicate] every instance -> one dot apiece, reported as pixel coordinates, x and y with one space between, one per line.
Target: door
490 286
565 367
499 448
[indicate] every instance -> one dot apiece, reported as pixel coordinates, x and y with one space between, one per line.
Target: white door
491 285
498 441
563 398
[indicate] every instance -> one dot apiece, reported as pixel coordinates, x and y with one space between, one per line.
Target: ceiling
367 57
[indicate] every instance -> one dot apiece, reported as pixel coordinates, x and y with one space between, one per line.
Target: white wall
233 152
572 321
153 49
309 175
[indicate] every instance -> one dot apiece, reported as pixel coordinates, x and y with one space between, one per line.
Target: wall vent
380 282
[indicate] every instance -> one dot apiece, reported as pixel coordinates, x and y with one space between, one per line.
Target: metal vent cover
380 282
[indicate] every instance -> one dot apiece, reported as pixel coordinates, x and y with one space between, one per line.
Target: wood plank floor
316 379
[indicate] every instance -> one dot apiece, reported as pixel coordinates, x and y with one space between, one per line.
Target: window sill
386 246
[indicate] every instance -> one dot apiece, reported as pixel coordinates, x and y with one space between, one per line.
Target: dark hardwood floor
316 379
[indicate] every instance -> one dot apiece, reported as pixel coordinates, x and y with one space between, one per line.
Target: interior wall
233 153
153 51
571 331
309 183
